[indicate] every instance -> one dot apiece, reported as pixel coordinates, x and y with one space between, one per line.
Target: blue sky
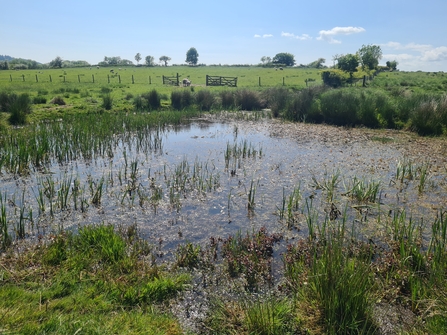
227 32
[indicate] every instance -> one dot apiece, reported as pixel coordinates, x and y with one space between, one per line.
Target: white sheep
186 82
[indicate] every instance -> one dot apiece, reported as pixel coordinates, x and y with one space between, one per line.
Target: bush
226 99
139 103
39 100
300 105
153 99
204 100
277 99
334 78
42 92
107 101
429 118
58 101
248 100
19 109
339 107
181 99
176 100
5 100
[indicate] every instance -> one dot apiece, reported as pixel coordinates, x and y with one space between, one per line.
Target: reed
6 239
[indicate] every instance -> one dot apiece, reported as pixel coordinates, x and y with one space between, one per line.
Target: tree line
367 57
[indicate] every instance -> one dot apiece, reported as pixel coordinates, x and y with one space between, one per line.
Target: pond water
215 178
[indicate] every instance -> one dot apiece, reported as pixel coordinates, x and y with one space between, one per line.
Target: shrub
42 92
139 103
204 100
181 99
153 99
339 107
57 101
299 107
426 119
39 100
107 101
19 109
5 100
176 100
334 78
226 99
277 99
367 111
248 100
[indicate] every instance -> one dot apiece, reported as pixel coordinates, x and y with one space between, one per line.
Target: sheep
281 68
186 82
97 67
111 71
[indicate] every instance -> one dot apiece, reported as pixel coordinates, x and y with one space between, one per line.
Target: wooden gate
174 81
221 81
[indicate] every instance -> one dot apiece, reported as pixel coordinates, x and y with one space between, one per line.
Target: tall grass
19 108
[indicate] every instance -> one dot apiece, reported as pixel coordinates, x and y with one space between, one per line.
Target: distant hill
6 57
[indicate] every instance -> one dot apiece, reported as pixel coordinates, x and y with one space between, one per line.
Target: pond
216 177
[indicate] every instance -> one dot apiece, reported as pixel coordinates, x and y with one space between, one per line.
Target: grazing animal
186 82
97 67
111 71
280 68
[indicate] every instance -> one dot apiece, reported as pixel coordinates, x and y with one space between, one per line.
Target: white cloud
257 36
409 46
301 37
424 52
328 35
435 54
267 35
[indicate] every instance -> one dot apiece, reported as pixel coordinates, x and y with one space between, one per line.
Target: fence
221 81
174 81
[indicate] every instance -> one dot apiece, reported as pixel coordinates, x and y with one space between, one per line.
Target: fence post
23 77
10 77
150 80
119 78
79 78
64 79
37 80
93 78
282 81
259 81
364 81
108 79
132 80
51 80
206 80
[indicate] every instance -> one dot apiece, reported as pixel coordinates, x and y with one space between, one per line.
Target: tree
138 57
165 59
57 62
265 60
284 58
348 63
149 61
369 56
392 65
192 56
318 64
